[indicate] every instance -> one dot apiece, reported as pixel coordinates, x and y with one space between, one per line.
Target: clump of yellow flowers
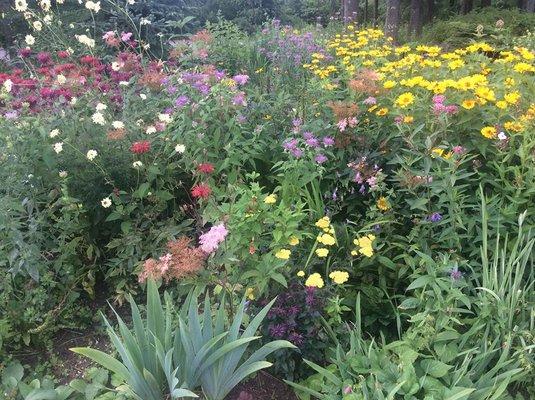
364 245
326 238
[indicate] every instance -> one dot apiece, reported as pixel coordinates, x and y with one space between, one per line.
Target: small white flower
45 5
73 101
29 39
180 148
131 2
98 118
106 202
53 133
48 18
21 5
84 39
117 124
115 66
91 155
137 164
164 117
58 147
8 85
37 25
61 79
93 6
143 96
144 21
502 136
150 130
139 122
63 174
124 83
101 107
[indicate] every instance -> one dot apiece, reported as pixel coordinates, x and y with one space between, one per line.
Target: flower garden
346 216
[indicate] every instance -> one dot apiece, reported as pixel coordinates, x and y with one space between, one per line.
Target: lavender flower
320 158
455 274
435 217
241 79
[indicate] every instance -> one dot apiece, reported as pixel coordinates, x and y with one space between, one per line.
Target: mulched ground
262 387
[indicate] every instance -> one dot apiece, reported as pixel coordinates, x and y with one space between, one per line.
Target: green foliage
160 359
460 30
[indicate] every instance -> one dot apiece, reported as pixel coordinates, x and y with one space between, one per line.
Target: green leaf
420 281
103 359
435 368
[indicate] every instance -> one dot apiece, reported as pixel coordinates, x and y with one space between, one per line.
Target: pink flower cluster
440 108
211 240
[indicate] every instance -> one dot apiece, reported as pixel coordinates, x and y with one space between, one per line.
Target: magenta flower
241 79
328 141
320 158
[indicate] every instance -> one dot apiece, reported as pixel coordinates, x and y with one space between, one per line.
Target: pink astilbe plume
210 240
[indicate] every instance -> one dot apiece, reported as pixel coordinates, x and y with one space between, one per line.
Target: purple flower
181 101
435 217
239 99
459 149
290 144
11 114
312 142
455 274
328 141
241 79
308 135
320 158
296 122
439 99
297 153
277 330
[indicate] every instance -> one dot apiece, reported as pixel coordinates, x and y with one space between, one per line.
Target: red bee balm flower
140 147
201 191
205 168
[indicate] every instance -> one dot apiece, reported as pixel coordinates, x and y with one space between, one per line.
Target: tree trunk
415 23
393 15
350 8
466 6
530 6
365 12
429 11
486 3
375 13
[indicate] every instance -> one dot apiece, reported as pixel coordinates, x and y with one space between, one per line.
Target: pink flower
126 36
241 79
210 240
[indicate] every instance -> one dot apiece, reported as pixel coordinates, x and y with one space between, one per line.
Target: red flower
140 147
201 190
205 168
63 54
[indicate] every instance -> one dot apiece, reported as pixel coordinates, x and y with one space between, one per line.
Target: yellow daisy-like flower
405 99
323 222
409 119
501 104
270 199
322 252
315 280
389 84
326 239
489 132
339 277
300 274
468 104
382 111
293 241
382 204
283 254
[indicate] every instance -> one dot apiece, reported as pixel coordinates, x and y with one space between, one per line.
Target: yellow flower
382 204
512 98
469 104
315 280
326 239
323 222
293 241
301 273
405 99
389 84
270 199
408 119
489 132
339 277
501 104
382 111
249 293
322 252
365 245
283 254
